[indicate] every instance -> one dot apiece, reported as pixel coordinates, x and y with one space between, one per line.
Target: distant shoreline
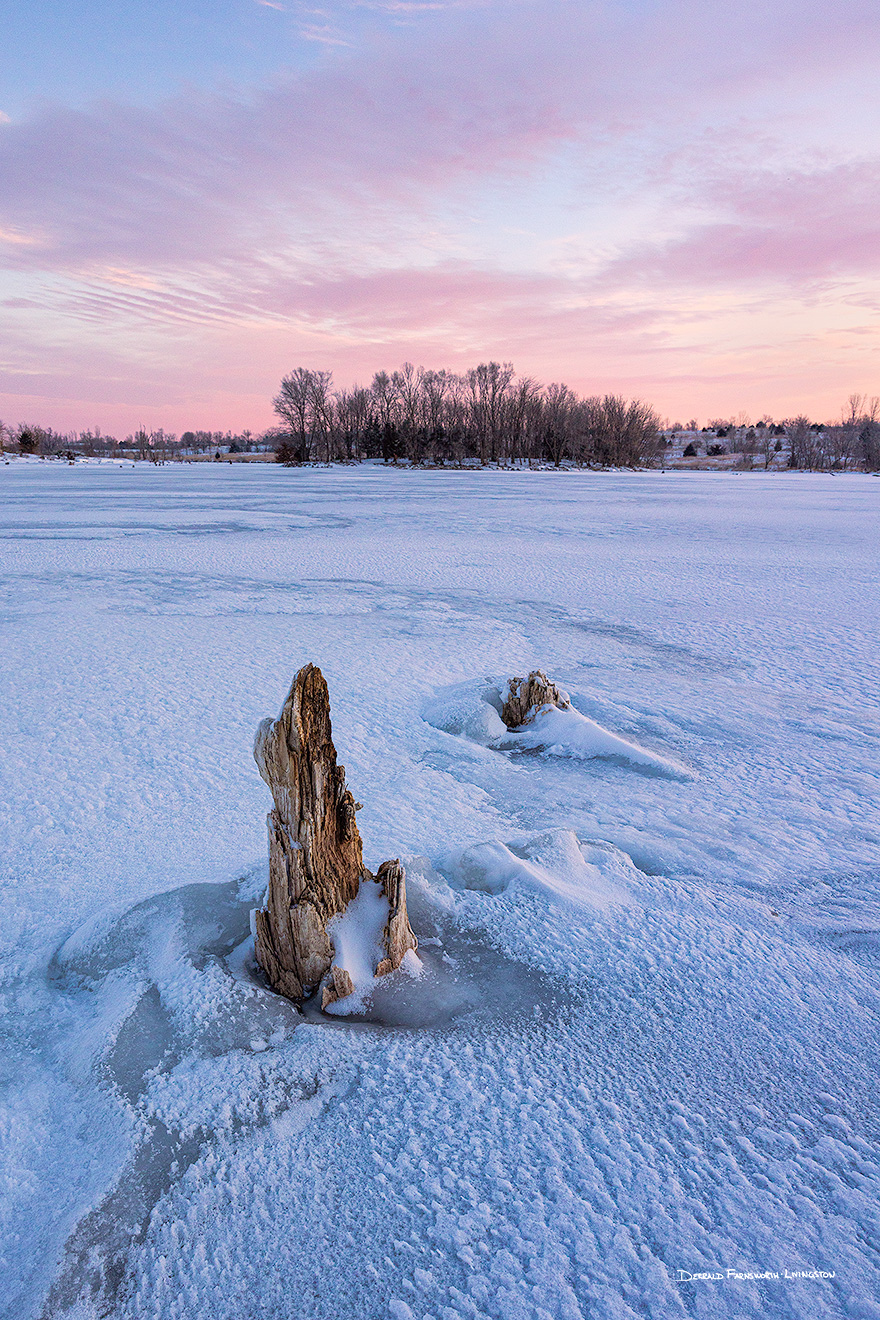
719 467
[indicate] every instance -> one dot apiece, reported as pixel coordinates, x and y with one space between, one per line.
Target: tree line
487 415
156 445
850 444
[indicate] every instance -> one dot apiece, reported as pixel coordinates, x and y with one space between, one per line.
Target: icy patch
163 1001
458 976
590 876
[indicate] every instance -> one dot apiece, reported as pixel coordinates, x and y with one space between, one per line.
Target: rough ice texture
177 1144
316 866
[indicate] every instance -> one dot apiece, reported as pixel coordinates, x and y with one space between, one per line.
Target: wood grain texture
315 852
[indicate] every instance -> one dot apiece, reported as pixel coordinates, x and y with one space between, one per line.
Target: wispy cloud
406 6
17 239
323 34
800 227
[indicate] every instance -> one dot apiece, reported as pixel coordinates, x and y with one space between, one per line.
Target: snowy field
644 1044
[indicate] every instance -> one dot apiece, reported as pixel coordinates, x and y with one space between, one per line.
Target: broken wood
526 696
315 853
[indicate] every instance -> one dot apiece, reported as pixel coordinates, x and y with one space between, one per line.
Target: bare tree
321 413
487 415
302 403
352 414
518 418
801 452
488 385
620 433
559 404
869 431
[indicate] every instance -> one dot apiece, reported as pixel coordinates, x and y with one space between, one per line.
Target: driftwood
315 853
526 696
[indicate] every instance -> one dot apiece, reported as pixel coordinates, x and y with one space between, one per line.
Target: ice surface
645 1036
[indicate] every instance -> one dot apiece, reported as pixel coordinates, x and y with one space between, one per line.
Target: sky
670 199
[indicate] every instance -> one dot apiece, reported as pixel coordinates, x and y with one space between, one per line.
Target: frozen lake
646 1043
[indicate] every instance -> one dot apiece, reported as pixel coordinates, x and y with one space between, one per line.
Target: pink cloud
799 227
209 175
206 176
296 217
451 317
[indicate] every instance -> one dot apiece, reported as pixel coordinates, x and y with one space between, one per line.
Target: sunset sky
673 199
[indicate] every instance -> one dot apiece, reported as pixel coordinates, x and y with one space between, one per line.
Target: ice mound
557 865
473 711
469 710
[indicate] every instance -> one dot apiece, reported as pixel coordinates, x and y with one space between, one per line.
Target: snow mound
569 733
357 933
557 865
473 711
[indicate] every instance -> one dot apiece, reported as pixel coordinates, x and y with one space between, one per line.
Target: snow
568 733
643 1041
356 935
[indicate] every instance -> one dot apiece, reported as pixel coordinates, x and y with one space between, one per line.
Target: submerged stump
526 696
315 854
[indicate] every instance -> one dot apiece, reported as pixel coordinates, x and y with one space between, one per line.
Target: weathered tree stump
315 854
525 696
